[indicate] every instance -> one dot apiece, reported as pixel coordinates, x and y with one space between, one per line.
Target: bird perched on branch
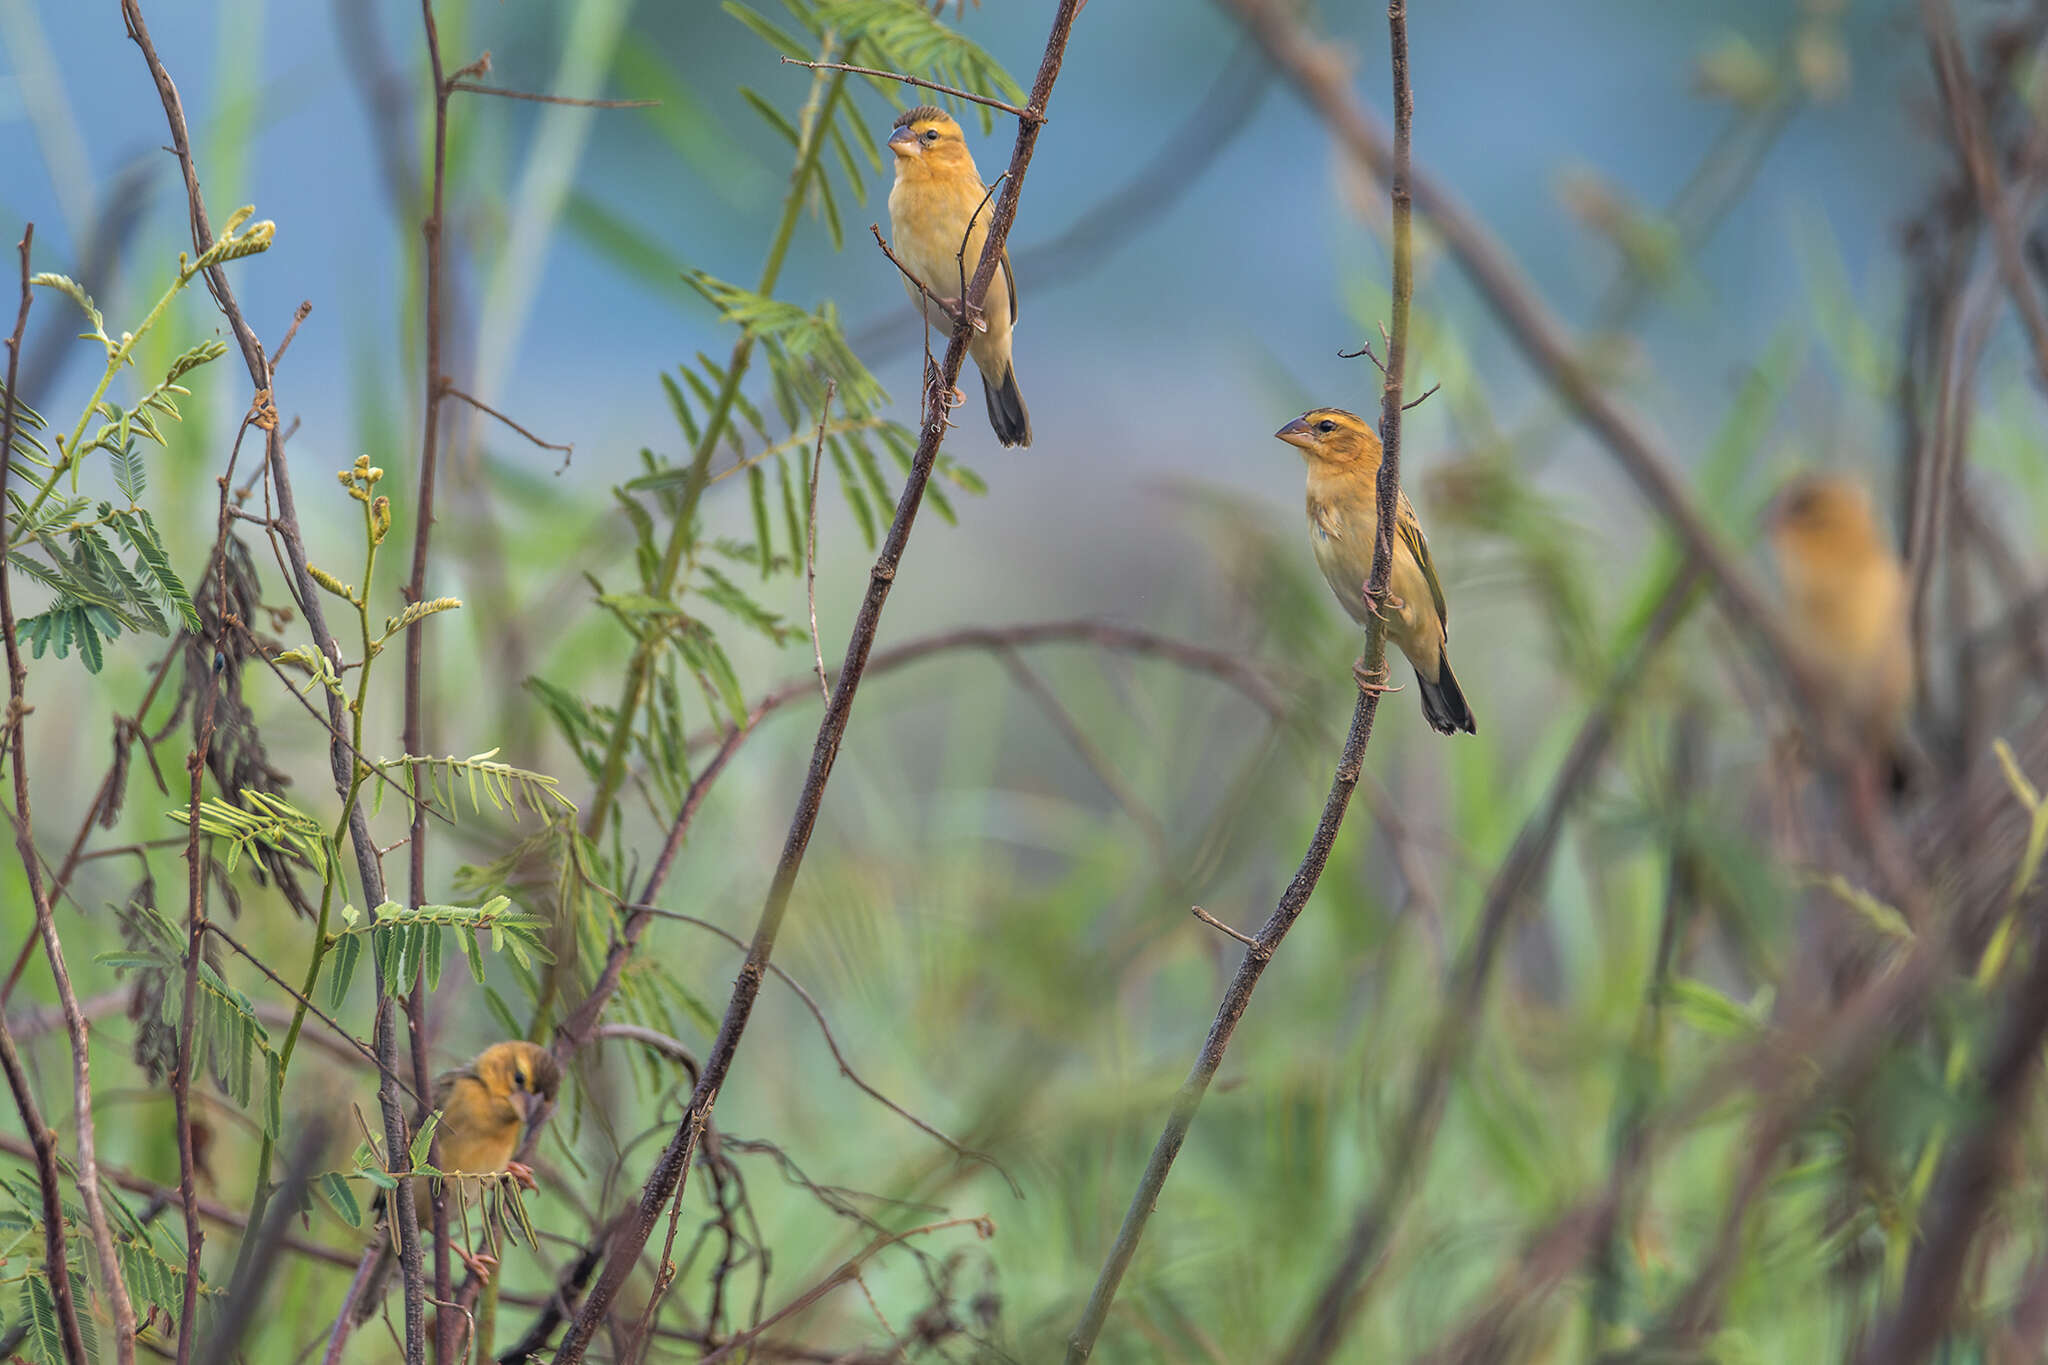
939 212
485 1108
1343 457
1847 600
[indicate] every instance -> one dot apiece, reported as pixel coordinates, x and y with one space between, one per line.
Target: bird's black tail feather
1443 701
1006 411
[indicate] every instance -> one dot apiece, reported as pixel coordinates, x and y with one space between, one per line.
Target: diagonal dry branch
817 1012
1336 1305
369 870
1350 761
1971 1180
670 1171
1979 157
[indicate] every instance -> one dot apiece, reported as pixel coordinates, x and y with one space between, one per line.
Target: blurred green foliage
994 923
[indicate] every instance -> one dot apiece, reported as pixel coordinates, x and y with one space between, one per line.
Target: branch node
1246 939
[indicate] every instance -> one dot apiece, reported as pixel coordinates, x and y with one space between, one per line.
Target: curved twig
959 1149
919 82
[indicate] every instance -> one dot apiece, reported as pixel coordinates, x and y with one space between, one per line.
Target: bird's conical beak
1295 433
903 142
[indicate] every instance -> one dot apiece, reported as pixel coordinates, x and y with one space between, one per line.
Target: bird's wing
444 1084
1411 536
1010 278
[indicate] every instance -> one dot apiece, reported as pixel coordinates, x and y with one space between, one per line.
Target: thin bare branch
450 391
360 1049
56 1264
1970 1180
960 1150
436 386
471 87
1535 328
671 1170
121 1308
1237 997
308 595
1226 666
1205 917
811 541
920 83
1512 887
1031 685
847 1271
1966 116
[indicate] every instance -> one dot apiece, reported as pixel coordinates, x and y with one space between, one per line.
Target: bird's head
1819 515
927 141
1333 439
522 1072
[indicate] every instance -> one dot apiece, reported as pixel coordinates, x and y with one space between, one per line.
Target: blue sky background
1170 362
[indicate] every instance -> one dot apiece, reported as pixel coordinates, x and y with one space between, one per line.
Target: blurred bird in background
1343 457
485 1109
937 204
1846 597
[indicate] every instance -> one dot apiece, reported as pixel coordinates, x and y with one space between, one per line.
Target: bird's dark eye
520 1077
931 135
1326 426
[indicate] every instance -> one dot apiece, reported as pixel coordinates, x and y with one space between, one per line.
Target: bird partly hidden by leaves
1847 601
485 1109
939 211
1343 457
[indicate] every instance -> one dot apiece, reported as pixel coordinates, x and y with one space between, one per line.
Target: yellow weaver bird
1343 457
485 1108
1846 598
937 207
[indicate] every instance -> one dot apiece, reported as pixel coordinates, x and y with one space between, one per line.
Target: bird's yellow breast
1341 530
1852 611
933 217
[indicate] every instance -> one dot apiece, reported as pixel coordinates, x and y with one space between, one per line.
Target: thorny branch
669 1173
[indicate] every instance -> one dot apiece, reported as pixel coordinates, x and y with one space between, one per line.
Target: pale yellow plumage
1343 457
1846 598
939 212
485 1107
